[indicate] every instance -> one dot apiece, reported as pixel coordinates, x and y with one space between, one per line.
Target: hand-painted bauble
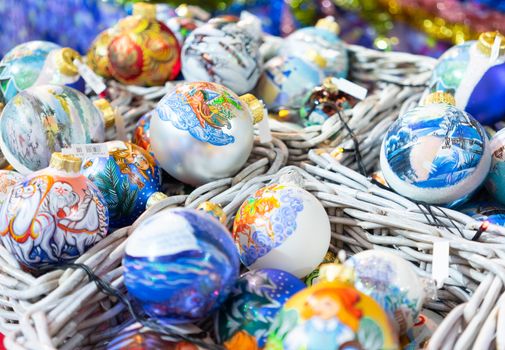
321 46
141 134
254 303
392 282
323 102
420 334
282 226
495 183
44 119
127 179
435 154
286 80
36 63
476 79
98 54
493 213
137 337
224 53
203 131
8 178
140 50
331 315
180 265
53 216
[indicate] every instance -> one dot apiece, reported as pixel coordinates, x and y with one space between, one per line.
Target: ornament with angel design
203 131
8 178
252 305
282 226
53 216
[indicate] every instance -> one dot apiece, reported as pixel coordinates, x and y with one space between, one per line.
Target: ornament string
107 289
357 153
427 210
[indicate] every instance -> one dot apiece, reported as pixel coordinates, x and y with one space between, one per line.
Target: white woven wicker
62 309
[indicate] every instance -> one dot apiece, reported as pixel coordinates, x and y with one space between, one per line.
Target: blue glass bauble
435 154
254 302
493 213
127 179
477 83
286 80
496 180
28 64
180 265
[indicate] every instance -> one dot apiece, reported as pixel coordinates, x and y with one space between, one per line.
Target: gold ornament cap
439 97
66 162
256 107
65 61
337 272
328 23
330 84
213 209
486 42
145 10
108 112
156 197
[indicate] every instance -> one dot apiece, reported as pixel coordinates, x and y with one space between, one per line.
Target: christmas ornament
36 63
53 216
321 46
128 178
203 131
8 178
253 304
286 80
141 134
46 118
180 265
323 102
490 212
475 76
420 334
392 282
136 337
331 315
214 210
496 180
435 154
137 50
223 52
282 226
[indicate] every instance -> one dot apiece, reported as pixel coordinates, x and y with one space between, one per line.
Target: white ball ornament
201 132
282 226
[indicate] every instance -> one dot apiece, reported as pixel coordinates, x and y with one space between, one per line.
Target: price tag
440 262
264 129
352 89
91 78
90 150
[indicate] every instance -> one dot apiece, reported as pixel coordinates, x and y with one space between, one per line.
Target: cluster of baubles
182 265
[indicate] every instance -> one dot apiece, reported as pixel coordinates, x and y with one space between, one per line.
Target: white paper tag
352 89
89 150
264 129
91 78
440 262
495 50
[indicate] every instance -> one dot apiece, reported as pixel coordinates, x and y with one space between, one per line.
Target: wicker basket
63 309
